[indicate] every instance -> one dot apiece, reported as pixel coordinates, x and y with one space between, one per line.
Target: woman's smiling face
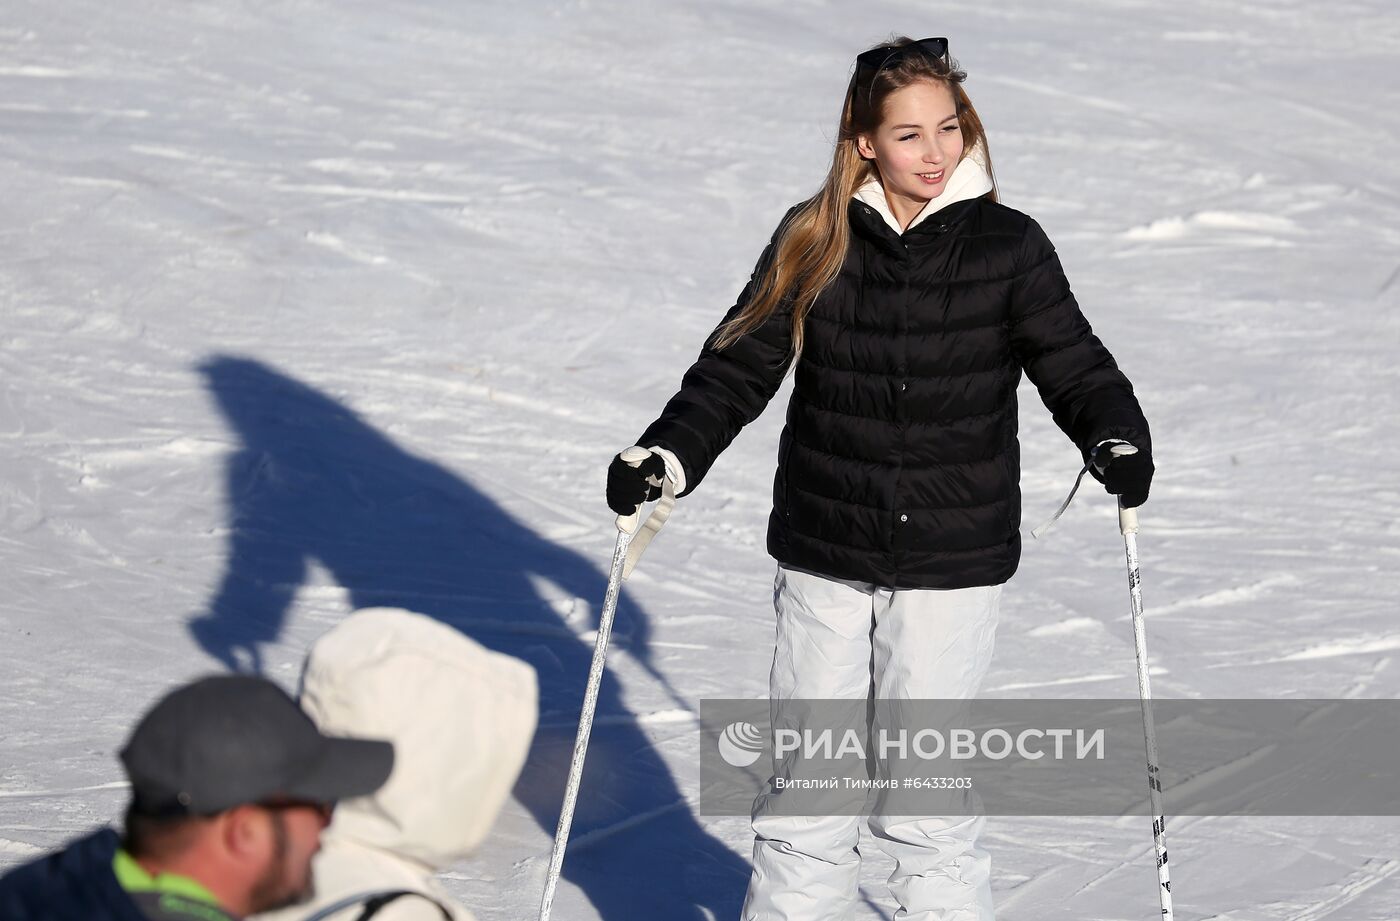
916 147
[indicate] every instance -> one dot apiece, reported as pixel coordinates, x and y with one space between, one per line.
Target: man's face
295 838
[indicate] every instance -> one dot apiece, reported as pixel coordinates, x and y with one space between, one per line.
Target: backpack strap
373 901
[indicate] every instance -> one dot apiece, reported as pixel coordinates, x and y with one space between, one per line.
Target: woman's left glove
1126 475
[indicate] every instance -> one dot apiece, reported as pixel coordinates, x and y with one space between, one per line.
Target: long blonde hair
811 247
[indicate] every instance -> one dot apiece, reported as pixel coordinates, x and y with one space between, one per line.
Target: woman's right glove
630 483
1128 475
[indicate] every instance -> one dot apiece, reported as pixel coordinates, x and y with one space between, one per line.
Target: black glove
629 486
1126 475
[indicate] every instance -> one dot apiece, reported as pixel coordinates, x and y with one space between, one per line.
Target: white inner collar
969 179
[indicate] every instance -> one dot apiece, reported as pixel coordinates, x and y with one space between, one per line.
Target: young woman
906 301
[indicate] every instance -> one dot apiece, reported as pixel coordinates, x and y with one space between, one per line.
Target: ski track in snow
1373 873
364 286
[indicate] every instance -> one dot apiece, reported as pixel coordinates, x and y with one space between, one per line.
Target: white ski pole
625 556
1128 527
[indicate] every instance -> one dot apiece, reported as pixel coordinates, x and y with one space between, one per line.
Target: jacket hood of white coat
460 716
969 179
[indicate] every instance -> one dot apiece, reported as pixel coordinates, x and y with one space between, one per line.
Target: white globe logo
740 744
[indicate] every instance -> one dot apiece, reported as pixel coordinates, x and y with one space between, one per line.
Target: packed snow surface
309 306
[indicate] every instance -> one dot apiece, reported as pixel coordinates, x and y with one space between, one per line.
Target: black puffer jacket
899 463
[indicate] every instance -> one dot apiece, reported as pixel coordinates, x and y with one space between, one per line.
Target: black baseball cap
226 740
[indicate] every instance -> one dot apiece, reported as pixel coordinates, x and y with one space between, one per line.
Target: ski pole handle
1127 517
634 456
641 532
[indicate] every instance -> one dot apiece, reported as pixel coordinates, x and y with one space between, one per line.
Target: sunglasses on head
870 63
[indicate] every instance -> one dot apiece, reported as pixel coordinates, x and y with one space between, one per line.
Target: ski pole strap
1117 447
1036 532
659 513
642 536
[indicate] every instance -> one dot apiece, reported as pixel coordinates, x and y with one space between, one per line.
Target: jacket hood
970 179
460 716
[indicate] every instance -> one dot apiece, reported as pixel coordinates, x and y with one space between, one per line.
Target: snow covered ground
307 306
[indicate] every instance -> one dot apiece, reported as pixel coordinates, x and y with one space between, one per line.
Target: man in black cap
231 785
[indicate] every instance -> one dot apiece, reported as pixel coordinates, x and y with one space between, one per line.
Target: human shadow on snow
312 483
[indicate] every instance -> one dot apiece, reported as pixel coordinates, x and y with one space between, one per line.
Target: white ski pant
849 640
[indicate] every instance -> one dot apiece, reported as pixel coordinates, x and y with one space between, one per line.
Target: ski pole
625 555
1128 527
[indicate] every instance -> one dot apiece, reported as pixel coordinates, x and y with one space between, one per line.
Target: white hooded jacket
461 718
